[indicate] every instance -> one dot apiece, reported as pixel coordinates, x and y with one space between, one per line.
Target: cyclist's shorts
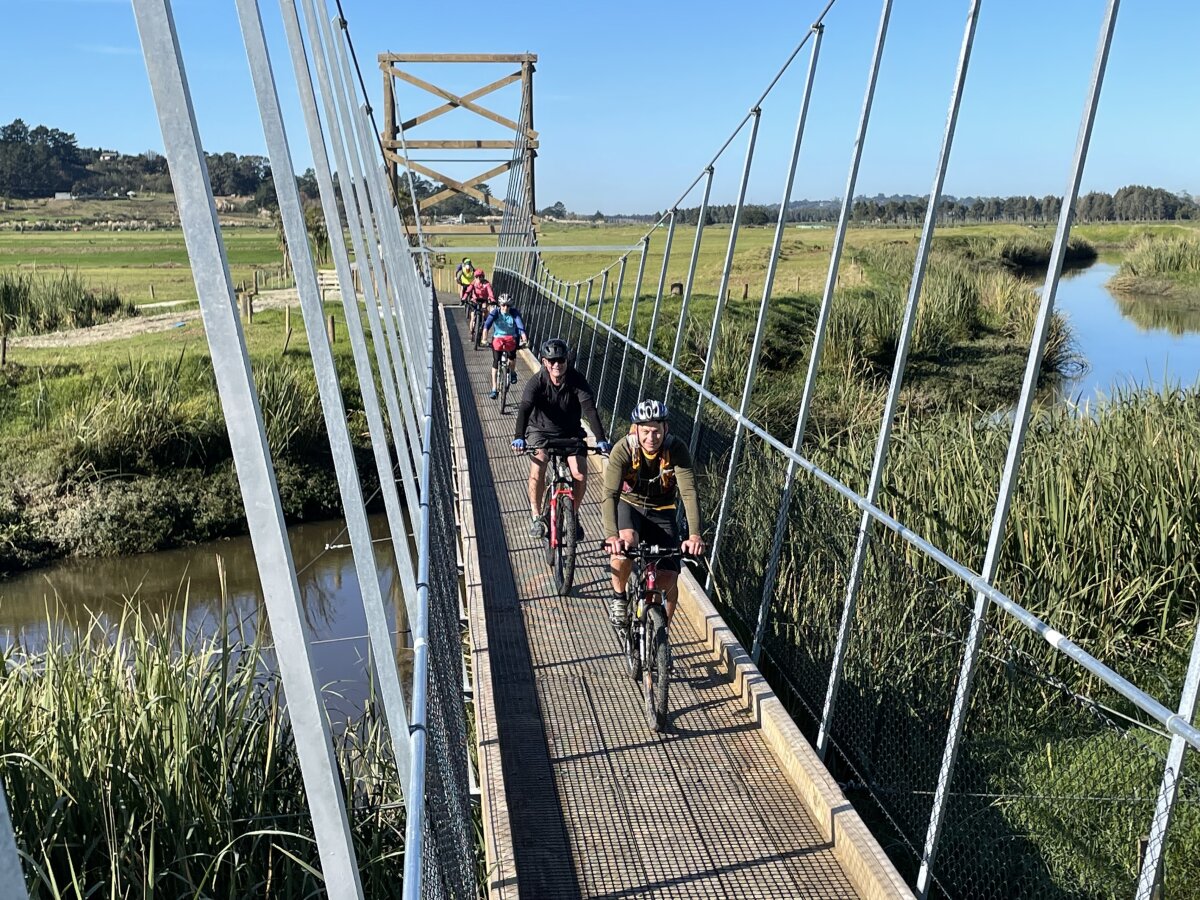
652 526
535 439
505 342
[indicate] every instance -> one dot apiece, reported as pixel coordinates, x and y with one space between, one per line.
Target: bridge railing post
1150 877
658 295
629 332
350 306
907 326
345 465
723 287
599 317
761 323
248 442
1012 463
582 315
819 332
612 321
689 282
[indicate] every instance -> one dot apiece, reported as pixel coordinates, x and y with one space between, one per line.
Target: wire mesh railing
990 754
398 356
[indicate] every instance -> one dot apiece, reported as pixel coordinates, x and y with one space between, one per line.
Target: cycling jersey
464 276
479 291
558 411
505 324
649 482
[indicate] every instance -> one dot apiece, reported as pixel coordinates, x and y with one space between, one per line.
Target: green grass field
804 261
133 262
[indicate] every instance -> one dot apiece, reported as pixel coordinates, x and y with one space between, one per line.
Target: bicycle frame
561 485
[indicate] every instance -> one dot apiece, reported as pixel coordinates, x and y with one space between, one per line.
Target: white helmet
649 411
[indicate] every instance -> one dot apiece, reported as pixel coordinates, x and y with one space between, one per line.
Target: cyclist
464 275
505 322
479 295
553 405
646 476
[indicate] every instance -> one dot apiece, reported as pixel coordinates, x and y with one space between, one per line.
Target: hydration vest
666 473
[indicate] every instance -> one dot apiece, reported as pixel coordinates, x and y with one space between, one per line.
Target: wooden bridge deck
597 806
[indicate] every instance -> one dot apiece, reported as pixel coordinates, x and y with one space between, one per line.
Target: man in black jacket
553 405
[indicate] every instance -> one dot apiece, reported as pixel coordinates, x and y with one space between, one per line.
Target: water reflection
1126 340
1152 313
208 587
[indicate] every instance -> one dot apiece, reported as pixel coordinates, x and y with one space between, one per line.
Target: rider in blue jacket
506 326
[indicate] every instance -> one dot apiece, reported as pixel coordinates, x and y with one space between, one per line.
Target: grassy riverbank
1162 267
121 447
137 767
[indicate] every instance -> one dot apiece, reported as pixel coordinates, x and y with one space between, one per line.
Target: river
1126 340
71 592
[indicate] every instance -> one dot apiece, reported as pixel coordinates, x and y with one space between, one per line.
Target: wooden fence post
287 327
745 289
331 328
152 292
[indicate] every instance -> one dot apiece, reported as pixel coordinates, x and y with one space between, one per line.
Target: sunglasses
560 361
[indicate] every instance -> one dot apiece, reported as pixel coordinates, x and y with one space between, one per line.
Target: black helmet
555 348
649 411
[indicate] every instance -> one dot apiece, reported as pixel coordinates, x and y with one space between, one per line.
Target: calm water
1126 341
70 593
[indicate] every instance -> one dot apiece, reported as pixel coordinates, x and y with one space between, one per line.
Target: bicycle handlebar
565 447
650 552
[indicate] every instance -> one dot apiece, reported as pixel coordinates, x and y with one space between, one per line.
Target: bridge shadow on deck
599 805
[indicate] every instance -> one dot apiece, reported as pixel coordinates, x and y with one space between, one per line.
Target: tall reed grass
1166 265
1099 545
145 417
959 302
138 765
32 304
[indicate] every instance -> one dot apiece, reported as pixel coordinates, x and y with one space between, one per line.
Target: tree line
1129 204
40 162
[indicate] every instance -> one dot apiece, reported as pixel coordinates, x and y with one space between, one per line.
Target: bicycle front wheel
503 376
564 553
657 674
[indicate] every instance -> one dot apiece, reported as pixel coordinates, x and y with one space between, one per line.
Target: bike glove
604 447
518 444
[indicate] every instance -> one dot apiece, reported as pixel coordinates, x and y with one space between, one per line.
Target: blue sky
633 99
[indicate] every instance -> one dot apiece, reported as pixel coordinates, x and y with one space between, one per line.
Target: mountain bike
558 509
503 378
474 322
645 641
483 310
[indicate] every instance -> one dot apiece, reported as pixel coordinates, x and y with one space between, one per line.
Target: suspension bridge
806 755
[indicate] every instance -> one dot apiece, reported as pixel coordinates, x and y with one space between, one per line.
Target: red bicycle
558 509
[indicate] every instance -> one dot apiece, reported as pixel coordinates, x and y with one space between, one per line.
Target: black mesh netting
449 851
1055 782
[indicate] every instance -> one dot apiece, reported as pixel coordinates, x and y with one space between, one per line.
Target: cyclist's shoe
512 377
618 611
578 531
493 394
537 527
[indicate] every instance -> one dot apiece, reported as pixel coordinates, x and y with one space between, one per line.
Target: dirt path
127 328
